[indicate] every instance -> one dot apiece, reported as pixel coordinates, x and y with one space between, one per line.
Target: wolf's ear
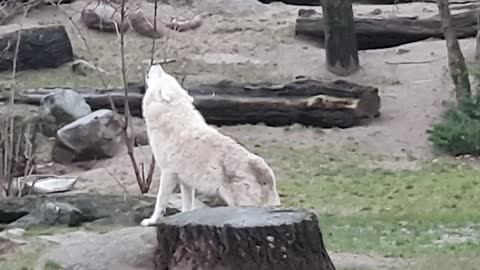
164 94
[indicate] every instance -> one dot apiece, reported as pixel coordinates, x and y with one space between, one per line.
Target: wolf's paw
148 222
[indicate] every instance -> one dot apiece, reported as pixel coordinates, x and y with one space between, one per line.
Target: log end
238 217
241 238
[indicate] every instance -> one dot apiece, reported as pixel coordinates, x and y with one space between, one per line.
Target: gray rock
95 136
91 206
96 208
61 108
124 249
44 148
43 184
49 214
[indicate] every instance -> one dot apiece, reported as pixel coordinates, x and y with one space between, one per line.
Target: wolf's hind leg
188 197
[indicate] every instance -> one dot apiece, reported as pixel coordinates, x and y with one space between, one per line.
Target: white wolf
196 156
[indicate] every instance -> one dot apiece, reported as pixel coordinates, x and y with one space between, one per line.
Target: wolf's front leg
188 197
168 182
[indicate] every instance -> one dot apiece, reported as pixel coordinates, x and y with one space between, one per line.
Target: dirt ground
247 41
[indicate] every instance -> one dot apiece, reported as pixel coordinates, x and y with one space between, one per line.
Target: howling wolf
196 156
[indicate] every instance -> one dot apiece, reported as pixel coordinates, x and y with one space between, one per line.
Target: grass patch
59 77
430 211
20 260
51 265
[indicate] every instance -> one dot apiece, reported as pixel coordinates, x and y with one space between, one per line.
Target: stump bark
241 238
40 47
309 102
389 32
340 37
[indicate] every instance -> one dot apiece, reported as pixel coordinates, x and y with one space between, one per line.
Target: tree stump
241 238
40 47
340 38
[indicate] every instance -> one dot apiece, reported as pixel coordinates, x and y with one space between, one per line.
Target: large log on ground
231 238
310 102
40 47
386 33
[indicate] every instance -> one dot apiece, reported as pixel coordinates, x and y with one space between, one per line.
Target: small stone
376 11
17 232
83 67
402 51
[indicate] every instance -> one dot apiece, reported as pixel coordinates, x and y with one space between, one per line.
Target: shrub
459 131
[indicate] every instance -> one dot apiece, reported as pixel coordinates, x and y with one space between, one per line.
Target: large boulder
61 108
95 136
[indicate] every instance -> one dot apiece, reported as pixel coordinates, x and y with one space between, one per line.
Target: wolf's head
163 87
154 74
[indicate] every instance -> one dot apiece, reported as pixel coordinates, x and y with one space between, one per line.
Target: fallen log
241 239
309 102
391 32
40 47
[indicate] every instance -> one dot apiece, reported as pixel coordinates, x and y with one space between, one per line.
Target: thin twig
125 191
155 30
11 150
128 140
414 62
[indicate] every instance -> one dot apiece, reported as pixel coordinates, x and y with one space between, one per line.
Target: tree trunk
477 48
40 47
340 38
309 102
388 32
456 61
229 238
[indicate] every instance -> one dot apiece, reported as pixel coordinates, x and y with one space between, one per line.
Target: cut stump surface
237 238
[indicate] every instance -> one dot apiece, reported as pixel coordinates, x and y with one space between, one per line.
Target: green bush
459 131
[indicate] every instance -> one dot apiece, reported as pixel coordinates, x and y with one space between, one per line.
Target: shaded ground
374 187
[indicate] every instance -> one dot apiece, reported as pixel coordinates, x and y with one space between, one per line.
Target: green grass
51 265
432 211
21 260
60 77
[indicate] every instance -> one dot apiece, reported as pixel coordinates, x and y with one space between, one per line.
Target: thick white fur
196 156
